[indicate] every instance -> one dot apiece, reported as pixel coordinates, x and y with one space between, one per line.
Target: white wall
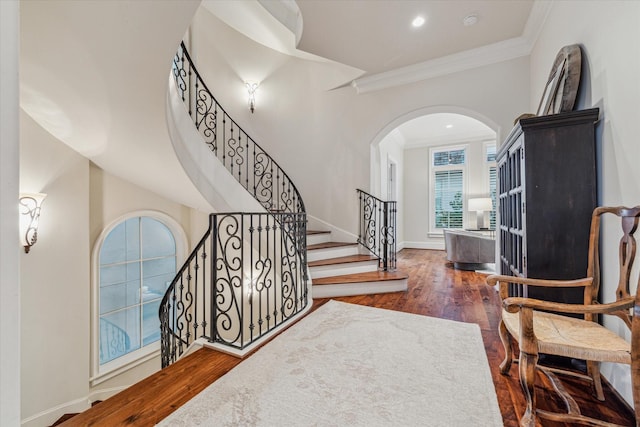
609 33
297 118
56 275
9 247
392 150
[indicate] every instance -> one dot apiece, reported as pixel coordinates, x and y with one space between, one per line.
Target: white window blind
492 194
448 198
447 177
490 161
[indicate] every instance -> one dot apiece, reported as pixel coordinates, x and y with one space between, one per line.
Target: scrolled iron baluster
179 73
229 267
262 171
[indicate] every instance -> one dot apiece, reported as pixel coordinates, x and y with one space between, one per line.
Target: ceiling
377 36
373 41
443 128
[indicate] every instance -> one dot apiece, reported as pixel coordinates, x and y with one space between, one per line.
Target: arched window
134 261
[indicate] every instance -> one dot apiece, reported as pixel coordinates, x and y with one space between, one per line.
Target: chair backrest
629 218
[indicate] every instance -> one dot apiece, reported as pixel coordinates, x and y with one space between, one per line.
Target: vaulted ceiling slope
94 74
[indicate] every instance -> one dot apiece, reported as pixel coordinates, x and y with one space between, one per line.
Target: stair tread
327 245
372 276
311 232
342 260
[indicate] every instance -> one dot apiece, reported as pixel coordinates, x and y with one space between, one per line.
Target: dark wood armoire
546 194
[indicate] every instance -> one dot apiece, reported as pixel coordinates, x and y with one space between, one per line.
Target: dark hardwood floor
435 289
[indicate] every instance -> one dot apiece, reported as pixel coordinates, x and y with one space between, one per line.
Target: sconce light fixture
30 205
251 88
480 206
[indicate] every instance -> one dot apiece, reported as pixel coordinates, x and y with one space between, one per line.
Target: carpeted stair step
360 284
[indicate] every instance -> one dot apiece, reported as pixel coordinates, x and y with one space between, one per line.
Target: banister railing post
213 225
383 236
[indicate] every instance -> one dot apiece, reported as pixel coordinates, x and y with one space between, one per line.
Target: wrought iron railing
238 152
244 279
248 274
377 228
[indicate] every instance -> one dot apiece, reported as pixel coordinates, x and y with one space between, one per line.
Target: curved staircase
248 275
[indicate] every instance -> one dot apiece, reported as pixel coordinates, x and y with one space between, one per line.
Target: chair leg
507 343
528 363
593 370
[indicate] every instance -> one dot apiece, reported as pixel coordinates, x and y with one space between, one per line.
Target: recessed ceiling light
449 126
418 21
470 20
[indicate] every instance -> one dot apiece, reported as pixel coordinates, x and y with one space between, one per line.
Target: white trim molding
49 416
437 246
461 61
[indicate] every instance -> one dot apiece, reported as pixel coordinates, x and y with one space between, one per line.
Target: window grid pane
130 292
451 157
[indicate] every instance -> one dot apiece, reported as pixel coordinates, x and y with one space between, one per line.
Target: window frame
487 165
100 373
432 182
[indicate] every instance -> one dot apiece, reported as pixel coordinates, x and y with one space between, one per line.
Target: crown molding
469 59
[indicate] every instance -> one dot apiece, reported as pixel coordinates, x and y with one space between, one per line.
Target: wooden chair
536 330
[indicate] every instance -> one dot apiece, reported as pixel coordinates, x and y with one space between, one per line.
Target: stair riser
318 254
314 239
342 269
367 288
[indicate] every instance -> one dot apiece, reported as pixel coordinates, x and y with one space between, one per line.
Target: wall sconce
30 205
251 88
480 205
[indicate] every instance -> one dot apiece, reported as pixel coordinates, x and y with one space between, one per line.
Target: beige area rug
351 365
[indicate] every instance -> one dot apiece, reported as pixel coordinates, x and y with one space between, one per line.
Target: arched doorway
432 161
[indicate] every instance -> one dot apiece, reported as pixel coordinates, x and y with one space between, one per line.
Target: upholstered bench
469 250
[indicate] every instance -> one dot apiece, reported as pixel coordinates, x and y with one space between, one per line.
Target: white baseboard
105 393
51 415
439 246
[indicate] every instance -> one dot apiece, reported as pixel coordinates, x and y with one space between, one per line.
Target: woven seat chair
540 327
